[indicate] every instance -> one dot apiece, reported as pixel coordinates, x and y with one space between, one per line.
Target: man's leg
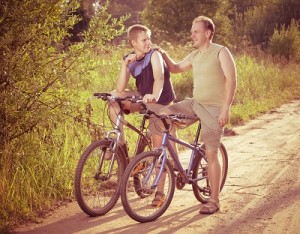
211 136
214 173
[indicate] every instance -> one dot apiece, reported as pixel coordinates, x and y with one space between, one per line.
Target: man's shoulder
217 47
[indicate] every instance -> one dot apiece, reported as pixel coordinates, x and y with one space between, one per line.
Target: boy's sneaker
159 199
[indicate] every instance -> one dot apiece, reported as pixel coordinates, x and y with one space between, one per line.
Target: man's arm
229 70
174 67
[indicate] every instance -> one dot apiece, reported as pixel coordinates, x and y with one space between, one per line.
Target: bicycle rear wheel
201 187
97 180
139 207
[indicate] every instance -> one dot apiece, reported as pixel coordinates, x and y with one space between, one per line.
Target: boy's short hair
134 30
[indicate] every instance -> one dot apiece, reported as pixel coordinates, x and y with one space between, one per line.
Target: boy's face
142 43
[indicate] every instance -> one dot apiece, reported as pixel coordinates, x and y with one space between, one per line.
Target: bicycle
97 180
151 166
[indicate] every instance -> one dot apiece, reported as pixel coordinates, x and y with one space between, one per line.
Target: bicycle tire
96 194
140 208
201 188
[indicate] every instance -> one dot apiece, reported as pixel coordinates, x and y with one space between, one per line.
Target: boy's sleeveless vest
142 71
209 80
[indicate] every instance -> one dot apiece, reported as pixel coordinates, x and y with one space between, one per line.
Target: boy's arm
159 76
124 74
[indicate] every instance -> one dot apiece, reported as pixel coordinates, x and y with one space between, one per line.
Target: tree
36 75
171 20
255 21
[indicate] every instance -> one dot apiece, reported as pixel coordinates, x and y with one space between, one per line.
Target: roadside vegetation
48 115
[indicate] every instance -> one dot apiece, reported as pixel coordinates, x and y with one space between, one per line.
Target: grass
37 169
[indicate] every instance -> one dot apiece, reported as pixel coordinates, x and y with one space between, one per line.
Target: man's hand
224 116
160 50
149 98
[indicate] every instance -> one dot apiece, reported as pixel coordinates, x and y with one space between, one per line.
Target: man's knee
211 141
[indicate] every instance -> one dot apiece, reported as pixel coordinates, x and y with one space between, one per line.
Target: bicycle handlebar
109 97
177 117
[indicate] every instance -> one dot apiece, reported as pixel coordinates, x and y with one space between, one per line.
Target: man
214 79
152 79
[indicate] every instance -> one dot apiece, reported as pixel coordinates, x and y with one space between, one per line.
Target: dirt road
261 195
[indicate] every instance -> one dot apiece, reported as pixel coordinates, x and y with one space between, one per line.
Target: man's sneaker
159 199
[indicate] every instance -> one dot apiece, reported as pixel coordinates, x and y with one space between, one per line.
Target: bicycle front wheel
98 177
201 187
148 206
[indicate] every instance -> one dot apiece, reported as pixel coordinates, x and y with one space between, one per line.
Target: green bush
285 42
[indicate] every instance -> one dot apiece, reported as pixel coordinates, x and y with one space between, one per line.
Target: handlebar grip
102 94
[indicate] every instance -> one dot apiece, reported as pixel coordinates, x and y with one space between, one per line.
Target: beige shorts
135 107
211 131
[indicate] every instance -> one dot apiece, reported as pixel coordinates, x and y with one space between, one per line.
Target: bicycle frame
116 132
149 181
166 145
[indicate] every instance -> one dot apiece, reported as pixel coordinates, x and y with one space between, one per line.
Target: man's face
142 43
199 34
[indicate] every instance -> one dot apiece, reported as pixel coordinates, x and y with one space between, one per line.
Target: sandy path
261 194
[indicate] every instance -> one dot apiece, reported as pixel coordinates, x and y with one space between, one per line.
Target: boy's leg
114 109
175 108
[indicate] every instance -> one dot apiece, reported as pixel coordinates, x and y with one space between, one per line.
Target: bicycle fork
114 136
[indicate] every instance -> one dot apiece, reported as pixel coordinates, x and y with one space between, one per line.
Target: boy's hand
149 98
129 59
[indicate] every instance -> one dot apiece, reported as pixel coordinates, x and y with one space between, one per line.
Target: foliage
36 72
262 86
260 19
285 42
44 87
172 19
47 116
238 23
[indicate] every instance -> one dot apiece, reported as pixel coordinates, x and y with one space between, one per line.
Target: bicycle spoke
201 186
96 181
138 198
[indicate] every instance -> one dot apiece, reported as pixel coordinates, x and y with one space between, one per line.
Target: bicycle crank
179 182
